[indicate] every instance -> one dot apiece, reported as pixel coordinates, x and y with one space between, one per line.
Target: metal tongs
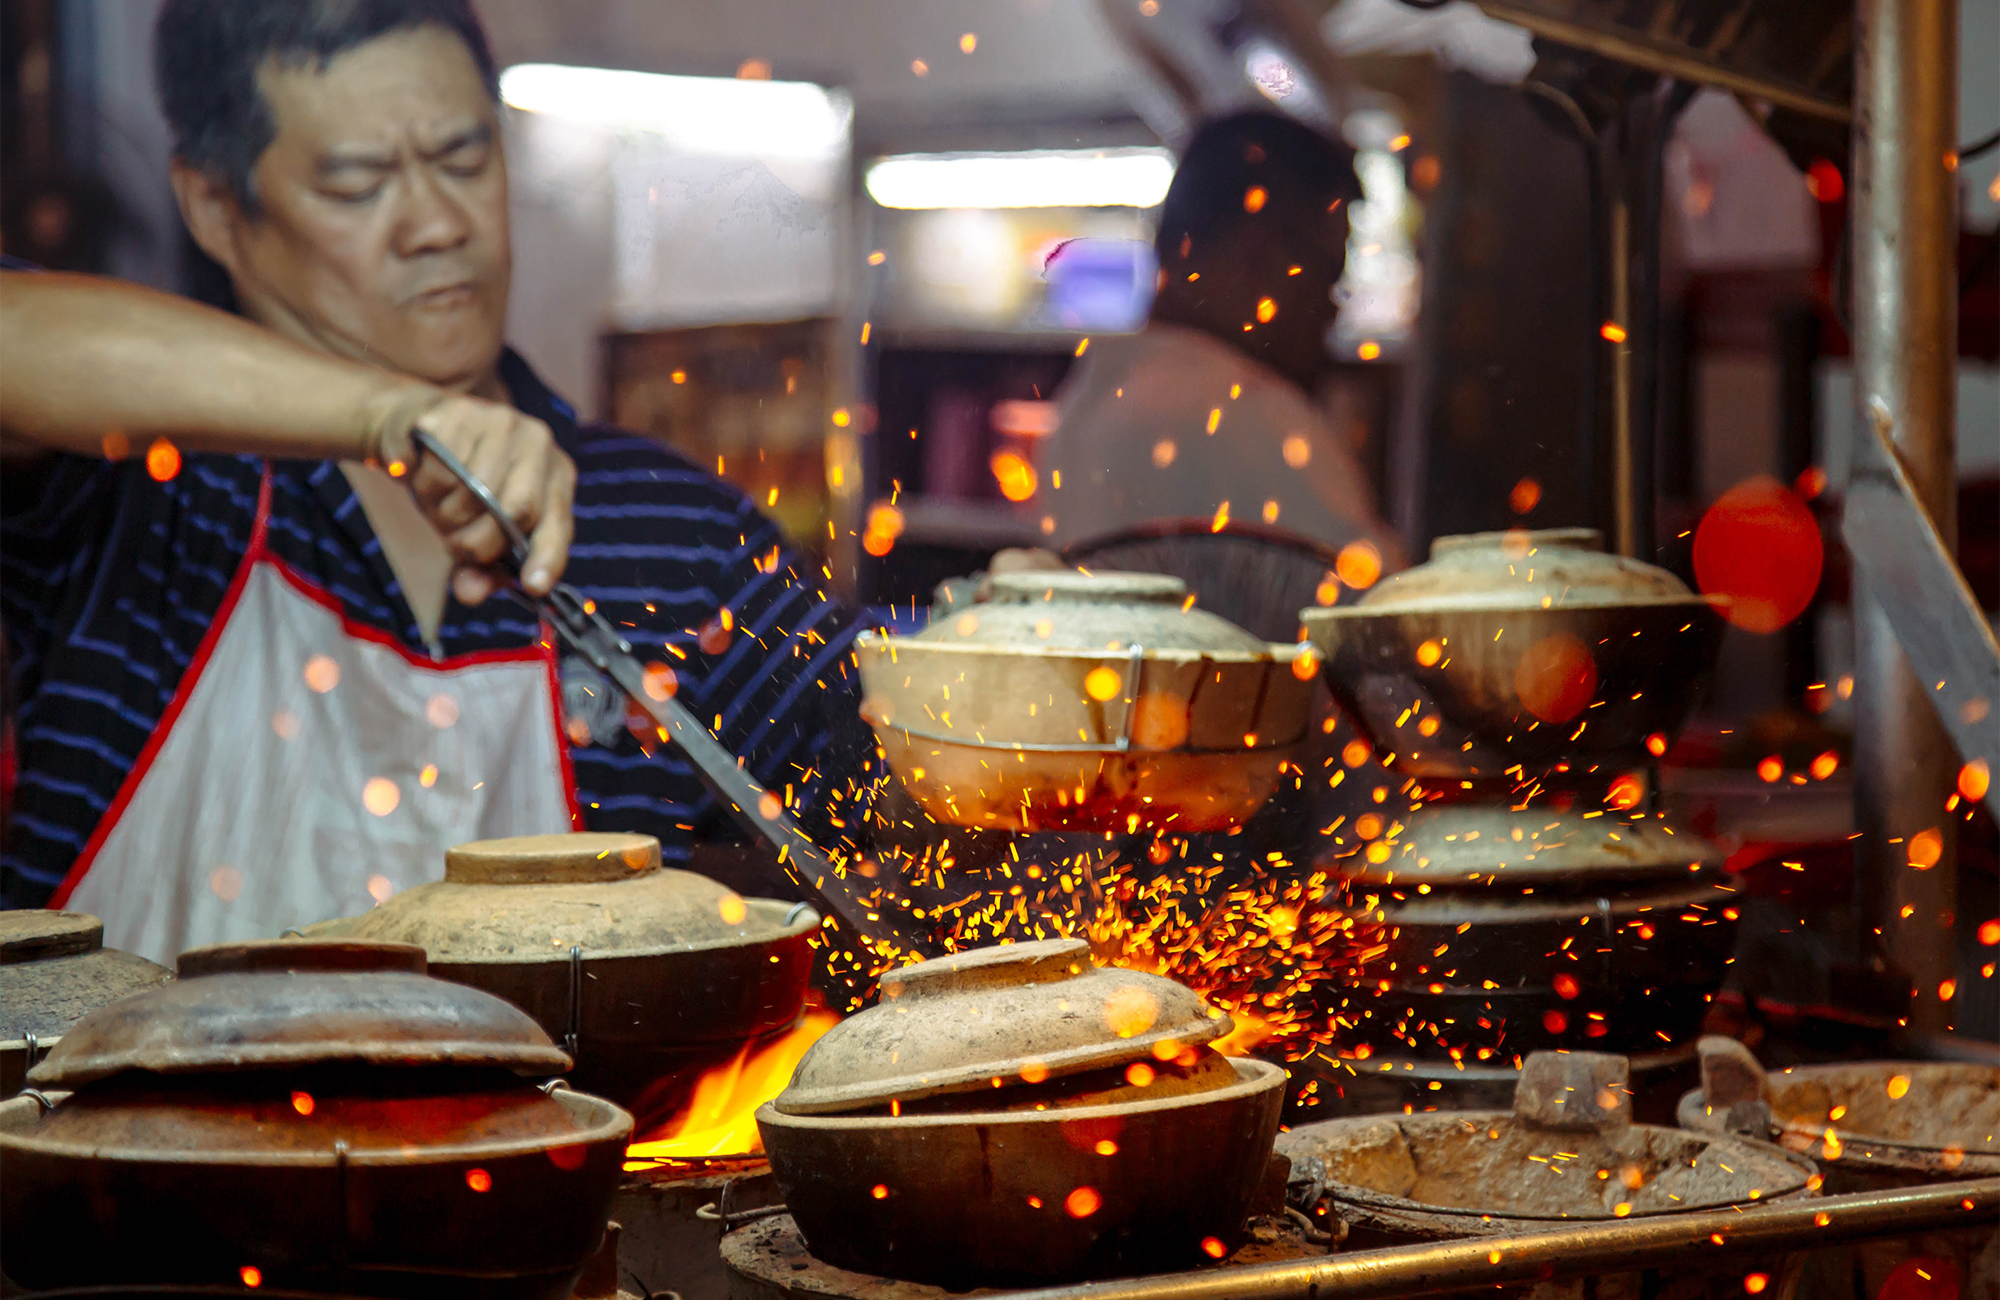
587 632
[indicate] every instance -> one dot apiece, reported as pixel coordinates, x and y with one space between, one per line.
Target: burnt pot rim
1271 652
1694 1102
1405 1209
602 1120
784 932
1254 1075
1413 609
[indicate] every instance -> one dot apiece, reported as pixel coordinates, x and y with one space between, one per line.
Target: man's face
381 229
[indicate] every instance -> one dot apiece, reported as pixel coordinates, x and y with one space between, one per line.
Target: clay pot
1081 701
311 1114
1518 650
1015 1114
1518 928
638 970
1568 1151
1869 1124
54 970
1029 1196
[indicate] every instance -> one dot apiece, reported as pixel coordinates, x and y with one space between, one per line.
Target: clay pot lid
35 934
55 969
1073 610
1519 569
291 1002
1016 1013
533 898
1466 842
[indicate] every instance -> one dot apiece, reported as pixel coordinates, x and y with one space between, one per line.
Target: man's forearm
82 357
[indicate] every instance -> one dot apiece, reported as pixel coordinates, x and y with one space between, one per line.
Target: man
259 684
1206 411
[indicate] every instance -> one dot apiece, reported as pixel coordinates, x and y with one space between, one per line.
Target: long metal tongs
587 632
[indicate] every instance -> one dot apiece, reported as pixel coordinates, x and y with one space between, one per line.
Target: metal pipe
1905 225
1662 56
1624 468
1573 1250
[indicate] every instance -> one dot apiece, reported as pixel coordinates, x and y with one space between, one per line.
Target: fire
1250 1031
720 1117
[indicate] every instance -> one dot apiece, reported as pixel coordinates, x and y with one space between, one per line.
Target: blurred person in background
1208 408
256 677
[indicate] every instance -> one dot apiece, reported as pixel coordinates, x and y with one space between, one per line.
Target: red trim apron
308 767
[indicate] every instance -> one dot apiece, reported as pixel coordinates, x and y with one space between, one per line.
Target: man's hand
518 460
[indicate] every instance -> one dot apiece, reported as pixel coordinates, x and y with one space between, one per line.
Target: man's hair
207 53
1301 173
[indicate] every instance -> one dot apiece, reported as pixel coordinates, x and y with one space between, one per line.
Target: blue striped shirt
108 581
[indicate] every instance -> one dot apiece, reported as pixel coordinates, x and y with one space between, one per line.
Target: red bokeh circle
1556 678
1758 550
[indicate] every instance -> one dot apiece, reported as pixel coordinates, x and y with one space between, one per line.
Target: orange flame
1250 1031
720 1117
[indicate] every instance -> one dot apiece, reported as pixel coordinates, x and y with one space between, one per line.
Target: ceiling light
1104 178
721 116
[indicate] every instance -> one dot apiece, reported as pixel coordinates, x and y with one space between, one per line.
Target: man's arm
82 357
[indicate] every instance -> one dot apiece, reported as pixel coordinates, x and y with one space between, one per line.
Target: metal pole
1905 225
1683 1241
1625 504
1641 50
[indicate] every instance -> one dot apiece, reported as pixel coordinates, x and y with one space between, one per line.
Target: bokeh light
1824 181
1925 1277
660 681
1359 564
1556 678
163 460
1758 551
322 674
1084 1201
1015 475
380 796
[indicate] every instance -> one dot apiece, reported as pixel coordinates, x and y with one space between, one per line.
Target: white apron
308 767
